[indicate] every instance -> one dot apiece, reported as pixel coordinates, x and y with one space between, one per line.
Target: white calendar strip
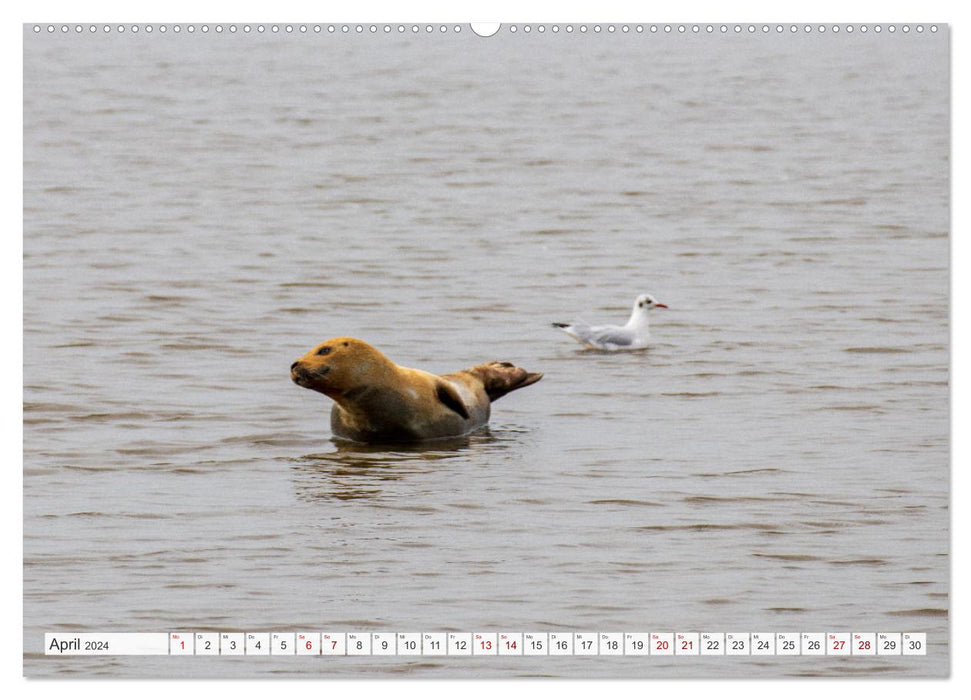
489 644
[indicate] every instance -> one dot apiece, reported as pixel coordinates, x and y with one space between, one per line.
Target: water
199 211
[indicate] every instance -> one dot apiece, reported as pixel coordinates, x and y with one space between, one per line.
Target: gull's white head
646 302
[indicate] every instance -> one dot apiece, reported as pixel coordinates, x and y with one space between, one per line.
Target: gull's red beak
658 304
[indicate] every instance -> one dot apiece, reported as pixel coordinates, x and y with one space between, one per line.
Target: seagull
632 336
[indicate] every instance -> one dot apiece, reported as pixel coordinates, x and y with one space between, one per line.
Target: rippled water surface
201 210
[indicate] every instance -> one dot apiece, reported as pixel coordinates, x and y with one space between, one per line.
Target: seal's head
339 365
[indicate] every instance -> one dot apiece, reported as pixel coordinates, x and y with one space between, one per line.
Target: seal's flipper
499 378
448 396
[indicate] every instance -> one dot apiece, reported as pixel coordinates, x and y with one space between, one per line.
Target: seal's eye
324 351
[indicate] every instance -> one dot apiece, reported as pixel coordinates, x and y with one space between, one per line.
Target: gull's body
633 335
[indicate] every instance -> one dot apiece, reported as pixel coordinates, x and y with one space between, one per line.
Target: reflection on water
361 471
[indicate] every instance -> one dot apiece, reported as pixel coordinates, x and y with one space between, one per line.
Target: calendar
513 349
488 644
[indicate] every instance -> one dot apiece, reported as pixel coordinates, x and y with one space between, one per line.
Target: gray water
200 210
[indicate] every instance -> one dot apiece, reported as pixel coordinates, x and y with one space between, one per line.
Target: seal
376 400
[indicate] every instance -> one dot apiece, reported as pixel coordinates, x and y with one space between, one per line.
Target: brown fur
376 400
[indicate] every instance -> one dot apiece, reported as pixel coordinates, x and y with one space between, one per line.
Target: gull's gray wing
599 337
612 335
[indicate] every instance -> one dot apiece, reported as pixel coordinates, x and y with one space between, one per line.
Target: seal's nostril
294 366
